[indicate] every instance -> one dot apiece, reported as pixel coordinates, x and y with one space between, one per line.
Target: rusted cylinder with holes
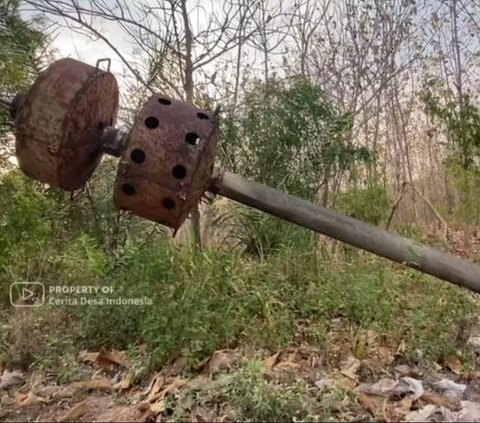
60 120
167 161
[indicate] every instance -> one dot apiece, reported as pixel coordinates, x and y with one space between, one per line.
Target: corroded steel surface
167 161
60 121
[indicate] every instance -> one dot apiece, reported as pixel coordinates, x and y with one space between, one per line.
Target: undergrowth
198 302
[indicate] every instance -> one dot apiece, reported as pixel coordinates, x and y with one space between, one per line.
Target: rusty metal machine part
65 122
167 161
60 121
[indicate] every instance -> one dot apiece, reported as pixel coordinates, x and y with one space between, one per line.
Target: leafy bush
369 204
467 183
460 121
289 136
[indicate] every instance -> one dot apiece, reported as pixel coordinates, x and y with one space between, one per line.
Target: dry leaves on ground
10 378
104 358
220 360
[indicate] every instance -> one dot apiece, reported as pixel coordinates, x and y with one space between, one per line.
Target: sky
68 43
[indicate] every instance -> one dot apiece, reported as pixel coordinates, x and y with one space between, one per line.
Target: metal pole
349 230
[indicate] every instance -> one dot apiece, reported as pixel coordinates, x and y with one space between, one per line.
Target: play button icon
27 294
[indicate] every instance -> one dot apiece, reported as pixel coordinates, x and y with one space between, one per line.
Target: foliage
460 119
287 136
19 45
202 301
369 204
290 137
19 42
467 184
257 400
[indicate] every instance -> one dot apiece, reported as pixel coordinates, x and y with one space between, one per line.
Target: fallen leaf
401 408
406 370
155 387
158 390
373 404
65 392
382 388
101 384
469 412
158 407
401 349
422 415
472 375
75 412
385 354
440 400
6 400
407 385
344 381
287 365
124 383
104 358
220 360
24 400
349 367
115 356
36 379
173 387
176 367
46 392
450 389
271 361
88 357
452 362
10 378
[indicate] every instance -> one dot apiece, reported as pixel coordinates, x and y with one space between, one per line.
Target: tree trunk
188 86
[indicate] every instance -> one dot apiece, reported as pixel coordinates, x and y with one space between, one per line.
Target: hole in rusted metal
151 122
128 189
201 115
165 101
179 171
192 138
168 203
137 156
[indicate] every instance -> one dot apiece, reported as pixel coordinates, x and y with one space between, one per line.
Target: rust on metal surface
167 161
60 121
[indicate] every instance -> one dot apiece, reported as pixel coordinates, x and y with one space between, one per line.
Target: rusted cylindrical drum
60 120
167 161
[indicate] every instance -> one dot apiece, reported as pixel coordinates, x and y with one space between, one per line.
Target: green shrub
369 204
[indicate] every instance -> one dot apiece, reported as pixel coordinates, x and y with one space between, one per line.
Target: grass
245 394
219 298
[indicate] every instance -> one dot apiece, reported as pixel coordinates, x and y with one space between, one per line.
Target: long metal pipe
351 231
